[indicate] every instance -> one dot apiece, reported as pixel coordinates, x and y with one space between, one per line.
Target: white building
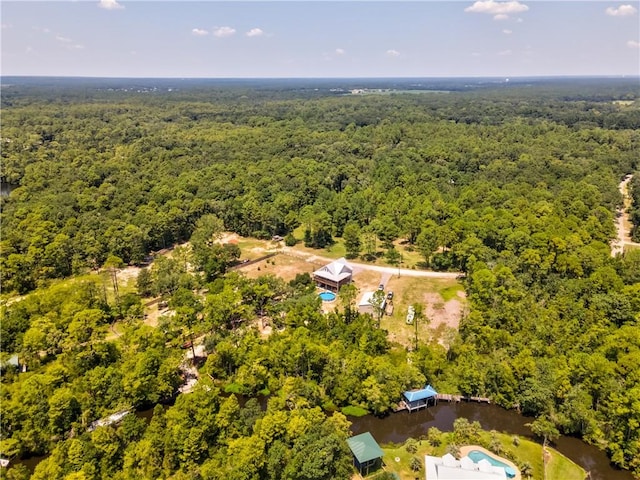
366 304
448 468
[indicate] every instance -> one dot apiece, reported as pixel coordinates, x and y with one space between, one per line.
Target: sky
216 39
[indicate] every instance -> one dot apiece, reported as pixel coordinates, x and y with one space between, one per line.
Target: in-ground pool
477 455
327 296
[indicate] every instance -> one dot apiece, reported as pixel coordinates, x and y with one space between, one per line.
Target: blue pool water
476 456
327 296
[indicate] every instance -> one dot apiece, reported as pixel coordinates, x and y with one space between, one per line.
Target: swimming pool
477 455
327 296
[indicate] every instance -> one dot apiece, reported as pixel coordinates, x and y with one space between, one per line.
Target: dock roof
415 395
364 447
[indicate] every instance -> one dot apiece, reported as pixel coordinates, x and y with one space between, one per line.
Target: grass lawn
398 460
411 290
560 467
283 266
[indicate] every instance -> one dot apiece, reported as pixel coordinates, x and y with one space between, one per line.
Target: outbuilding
367 454
421 398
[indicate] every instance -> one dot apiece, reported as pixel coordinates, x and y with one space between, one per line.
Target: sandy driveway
375 268
623 223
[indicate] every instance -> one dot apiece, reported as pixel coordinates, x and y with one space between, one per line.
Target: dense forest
516 187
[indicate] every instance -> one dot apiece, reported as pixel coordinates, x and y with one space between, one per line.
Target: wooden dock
447 397
400 406
478 399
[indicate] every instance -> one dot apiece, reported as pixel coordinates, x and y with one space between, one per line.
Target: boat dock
445 397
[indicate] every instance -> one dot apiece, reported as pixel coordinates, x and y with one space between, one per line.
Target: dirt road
374 268
623 224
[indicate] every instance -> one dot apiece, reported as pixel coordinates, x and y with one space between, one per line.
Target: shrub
411 445
454 449
434 436
290 240
416 464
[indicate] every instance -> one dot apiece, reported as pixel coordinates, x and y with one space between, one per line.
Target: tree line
517 191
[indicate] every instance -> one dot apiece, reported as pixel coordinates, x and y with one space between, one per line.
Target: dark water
397 427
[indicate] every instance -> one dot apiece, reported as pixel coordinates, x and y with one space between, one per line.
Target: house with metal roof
334 275
420 398
448 468
367 454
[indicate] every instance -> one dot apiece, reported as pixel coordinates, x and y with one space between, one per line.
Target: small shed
416 399
366 303
367 454
334 275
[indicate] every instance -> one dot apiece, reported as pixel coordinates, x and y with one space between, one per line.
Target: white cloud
633 44
221 32
110 5
499 10
507 31
6 25
340 51
255 32
393 53
621 11
504 53
199 32
62 39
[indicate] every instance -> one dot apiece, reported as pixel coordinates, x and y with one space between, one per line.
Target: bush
454 449
354 411
290 240
435 436
411 445
261 234
385 476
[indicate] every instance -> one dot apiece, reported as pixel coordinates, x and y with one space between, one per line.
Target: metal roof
364 447
415 395
335 271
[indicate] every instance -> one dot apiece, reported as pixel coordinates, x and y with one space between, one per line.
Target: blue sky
320 39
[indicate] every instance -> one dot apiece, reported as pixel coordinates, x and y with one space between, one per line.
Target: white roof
335 271
365 301
448 468
467 463
484 465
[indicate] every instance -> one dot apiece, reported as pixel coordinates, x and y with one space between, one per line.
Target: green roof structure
364 448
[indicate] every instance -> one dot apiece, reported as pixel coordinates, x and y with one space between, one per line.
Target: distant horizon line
328 77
